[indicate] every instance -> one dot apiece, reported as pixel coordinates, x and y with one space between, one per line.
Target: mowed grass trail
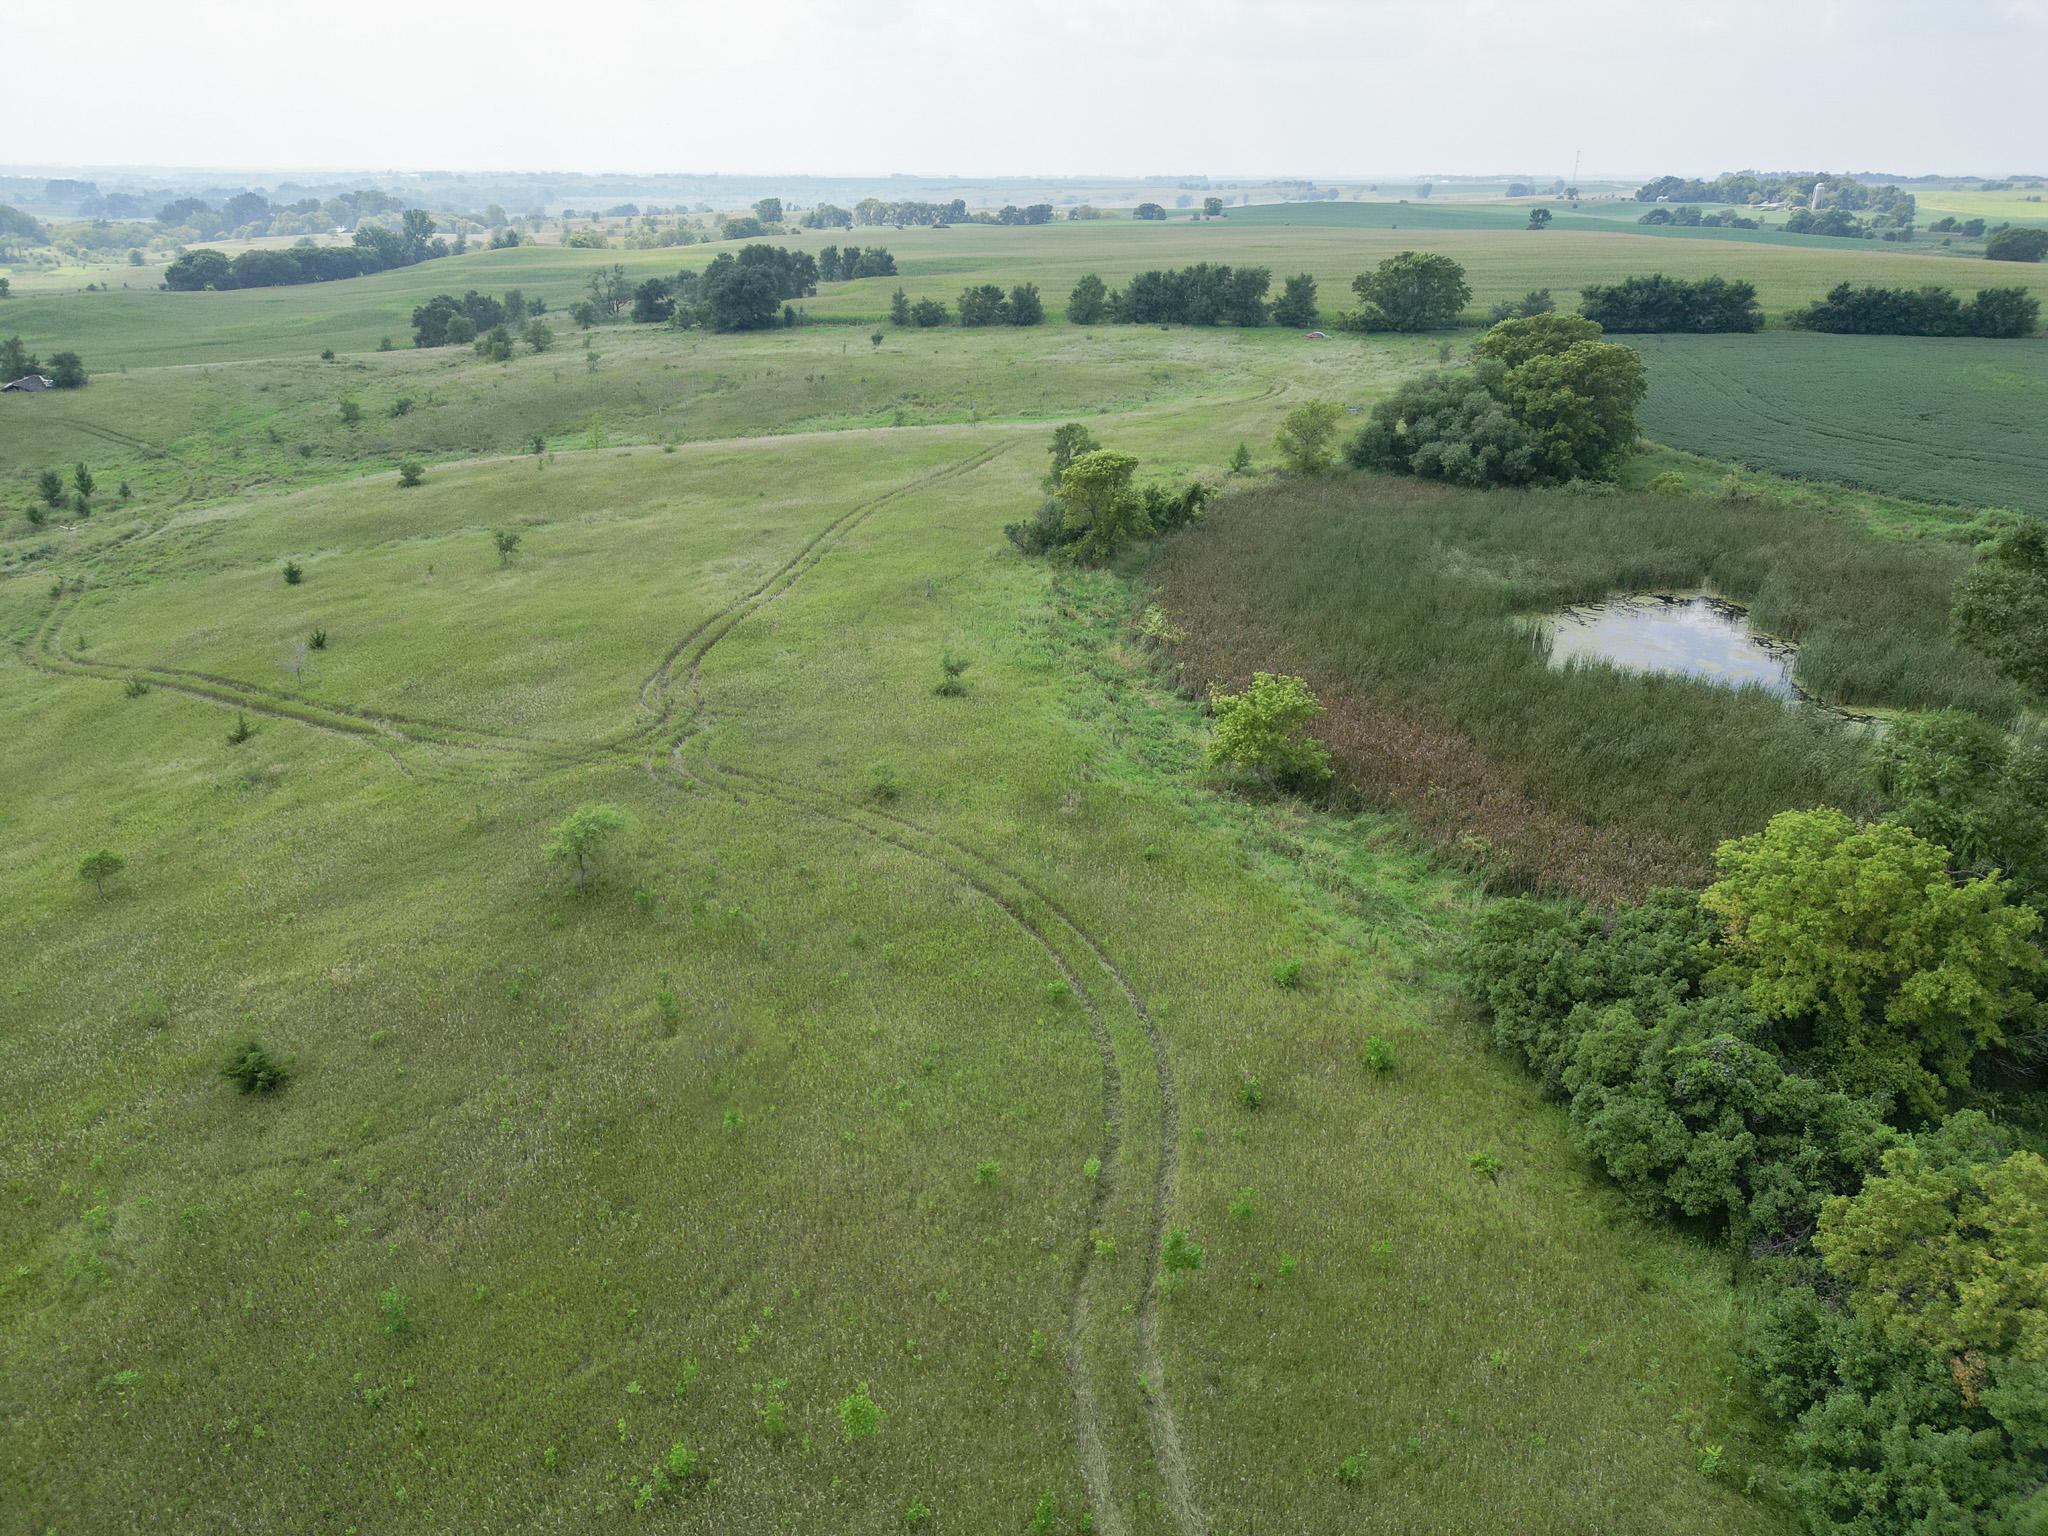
804 1096
1941 419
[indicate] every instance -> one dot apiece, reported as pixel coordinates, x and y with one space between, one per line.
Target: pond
1691 636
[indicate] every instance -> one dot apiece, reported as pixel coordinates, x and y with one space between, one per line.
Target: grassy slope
581 1185
195 435
1945 419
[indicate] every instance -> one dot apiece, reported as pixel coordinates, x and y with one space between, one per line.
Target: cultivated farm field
1937 418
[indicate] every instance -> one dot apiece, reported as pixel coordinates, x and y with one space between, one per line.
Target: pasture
1935 418
900 1029
821 1090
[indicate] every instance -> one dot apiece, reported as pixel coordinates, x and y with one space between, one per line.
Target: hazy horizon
1209 87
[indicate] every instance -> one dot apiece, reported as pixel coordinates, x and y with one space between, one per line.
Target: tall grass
1404 603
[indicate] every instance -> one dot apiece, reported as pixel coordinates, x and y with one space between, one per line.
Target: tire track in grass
1085 1408
655 689
986 874
718 778
1163 1430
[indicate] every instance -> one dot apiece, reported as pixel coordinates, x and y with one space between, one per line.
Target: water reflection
1691 636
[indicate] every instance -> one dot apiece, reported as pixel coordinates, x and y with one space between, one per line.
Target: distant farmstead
30 384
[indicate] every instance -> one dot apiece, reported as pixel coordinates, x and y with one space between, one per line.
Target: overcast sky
972 87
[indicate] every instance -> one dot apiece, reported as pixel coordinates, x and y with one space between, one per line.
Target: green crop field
1940 419
950 1093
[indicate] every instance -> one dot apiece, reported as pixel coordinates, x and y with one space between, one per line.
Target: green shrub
859 1417
252 1069
1181 1254
411 473
1262 732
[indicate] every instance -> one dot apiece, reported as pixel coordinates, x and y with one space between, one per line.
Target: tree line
376 248
1657 303
1926 311
843 265
1414 291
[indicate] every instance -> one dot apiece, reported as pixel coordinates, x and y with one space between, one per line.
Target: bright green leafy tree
1098 504
1263 731
1952 1258
580 839
1856 940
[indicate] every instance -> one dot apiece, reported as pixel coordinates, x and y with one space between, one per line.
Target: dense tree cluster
1660 303
743 292
987 304
1692 218
1414 291
1547 401
376 248
843 265
1924 311
1949 224
1773 1058
1204 294
1843 225
2017 242
445 320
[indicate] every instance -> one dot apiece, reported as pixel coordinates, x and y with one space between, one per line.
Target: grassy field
901 1029
1941 419
804 1096
139 328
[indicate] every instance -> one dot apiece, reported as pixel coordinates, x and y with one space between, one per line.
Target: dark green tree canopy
1414 291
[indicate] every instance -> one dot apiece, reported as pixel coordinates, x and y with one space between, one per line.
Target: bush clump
253 1069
